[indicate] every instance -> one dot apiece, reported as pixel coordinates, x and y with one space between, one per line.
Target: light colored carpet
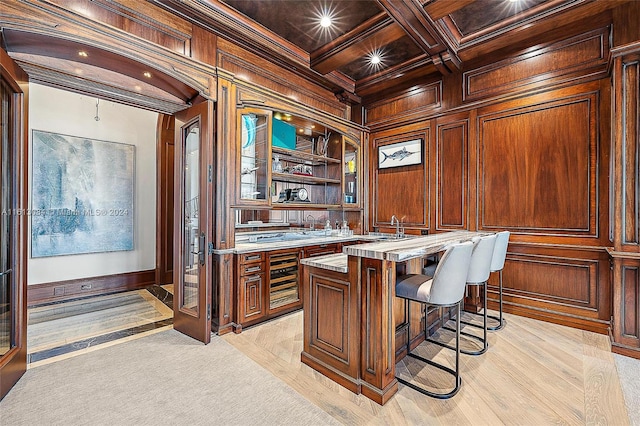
628 369
162 379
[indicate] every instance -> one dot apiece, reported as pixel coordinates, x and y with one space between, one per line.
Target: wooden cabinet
251 282
288 162
268 285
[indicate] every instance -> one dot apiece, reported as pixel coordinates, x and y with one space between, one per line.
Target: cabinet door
254 130
351 173
251 297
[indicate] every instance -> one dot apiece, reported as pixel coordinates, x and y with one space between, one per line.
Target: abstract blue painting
82 195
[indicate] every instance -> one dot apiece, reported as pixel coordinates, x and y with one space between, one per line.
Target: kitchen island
350 315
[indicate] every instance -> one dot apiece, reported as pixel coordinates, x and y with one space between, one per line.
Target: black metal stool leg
484 329
455 373
483 339
501 321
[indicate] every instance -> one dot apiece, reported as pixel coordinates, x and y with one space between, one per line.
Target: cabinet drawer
321 250
251 257
251 268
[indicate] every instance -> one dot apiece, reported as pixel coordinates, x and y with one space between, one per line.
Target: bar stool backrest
480 266
450 278
500 251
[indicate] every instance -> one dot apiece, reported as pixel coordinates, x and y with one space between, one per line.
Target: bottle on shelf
344 231
276 166
327 228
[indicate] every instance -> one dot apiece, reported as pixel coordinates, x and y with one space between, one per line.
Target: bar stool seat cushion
415 287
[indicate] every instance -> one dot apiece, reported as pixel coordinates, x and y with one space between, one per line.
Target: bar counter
351 318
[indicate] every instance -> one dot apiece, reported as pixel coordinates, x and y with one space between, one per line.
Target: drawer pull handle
253 278
253 269
253 257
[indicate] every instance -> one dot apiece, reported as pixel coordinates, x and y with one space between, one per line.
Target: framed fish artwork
400 154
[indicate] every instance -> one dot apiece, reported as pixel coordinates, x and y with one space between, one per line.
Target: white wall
67 113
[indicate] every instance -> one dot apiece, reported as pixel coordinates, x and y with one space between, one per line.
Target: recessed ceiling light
147 74
375 60
83 54
325 21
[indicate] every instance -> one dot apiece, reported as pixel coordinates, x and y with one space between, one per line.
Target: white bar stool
479 271
445 289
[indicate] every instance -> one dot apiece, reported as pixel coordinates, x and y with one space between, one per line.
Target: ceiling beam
413 18
438 9
362 40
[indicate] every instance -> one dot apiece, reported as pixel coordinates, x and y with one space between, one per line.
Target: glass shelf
303 157
308 179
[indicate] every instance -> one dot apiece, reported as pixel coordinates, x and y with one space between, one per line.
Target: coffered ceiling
411 38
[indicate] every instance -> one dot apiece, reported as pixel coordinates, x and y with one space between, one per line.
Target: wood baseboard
588 324
38 294
620 349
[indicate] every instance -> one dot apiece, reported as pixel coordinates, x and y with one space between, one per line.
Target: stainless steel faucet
397 223
313 224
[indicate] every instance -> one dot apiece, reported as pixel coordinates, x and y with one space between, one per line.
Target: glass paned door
255 131
6 236
351 173
13 286
193 250
192 264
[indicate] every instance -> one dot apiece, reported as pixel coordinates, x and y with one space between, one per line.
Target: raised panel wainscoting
536 163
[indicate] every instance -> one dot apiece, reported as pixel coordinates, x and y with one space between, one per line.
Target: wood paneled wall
164 194
154 25
258 72
626 189
525 148
402 191
537 163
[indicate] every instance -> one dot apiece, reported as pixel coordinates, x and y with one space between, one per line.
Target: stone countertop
246 247
333 262
410 248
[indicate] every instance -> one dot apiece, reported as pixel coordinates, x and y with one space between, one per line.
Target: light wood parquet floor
534 373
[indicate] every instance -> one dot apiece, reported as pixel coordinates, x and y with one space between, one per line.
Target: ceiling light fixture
375 58
147 74
83 54
325 21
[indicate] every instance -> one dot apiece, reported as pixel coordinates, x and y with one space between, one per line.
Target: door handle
201 251
7 272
